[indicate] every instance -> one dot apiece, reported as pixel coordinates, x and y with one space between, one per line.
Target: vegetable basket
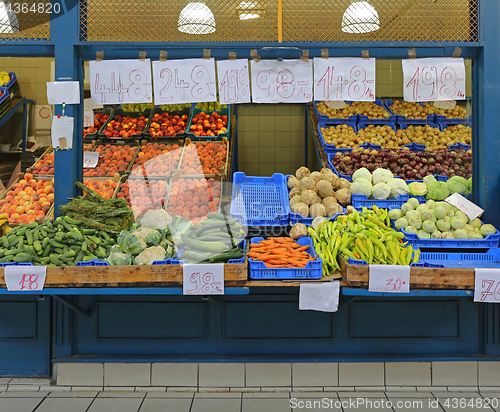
330 148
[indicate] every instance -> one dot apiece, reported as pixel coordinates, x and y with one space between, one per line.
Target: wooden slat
420 278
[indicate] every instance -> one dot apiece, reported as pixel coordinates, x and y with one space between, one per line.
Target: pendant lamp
360 17
8 19
196 18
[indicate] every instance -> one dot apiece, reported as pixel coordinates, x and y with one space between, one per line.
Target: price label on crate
389 278
433 79
487 285
344 79
88 118
233 81
184 81
287 81
90 159
445 104
25 278
203 279
120 81
470 209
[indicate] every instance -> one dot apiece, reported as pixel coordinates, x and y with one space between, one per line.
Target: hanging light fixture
196 18
8 19
360 17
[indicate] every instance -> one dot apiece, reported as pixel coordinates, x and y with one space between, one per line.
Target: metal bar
73 306
236 164
116 291
12 111
423 293
280 21
26 49
306 118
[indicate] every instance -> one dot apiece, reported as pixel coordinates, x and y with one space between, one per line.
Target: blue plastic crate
330 148
329 120
297 217
178 261
464 146
364 262
372 146
259 201
360 201
444 120
403 119
16 264
13 85
169 261
195 138
313 270
93 262
332 167
489 259
390 120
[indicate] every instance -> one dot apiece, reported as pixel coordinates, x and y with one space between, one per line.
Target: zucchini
5 242
13 252
213 247
220 216
29 237
55 243
224 257
70 221
192 256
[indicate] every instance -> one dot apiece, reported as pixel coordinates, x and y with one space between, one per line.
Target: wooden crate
223 170
420 277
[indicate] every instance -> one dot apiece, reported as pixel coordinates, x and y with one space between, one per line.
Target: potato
343 196
333 209
301 208
292 182
317 209
325 188
293 192
333 179
316 176
302 172
308 197
306 183
298 230
295 199
327 201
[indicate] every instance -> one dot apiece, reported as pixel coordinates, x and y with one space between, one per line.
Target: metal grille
302 20
25 20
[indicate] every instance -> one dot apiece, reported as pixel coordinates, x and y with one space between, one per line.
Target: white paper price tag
62 128
88 118
120 81
470 209
287 81
233 81
203 279
25 278
433 79
323 297
184 81
336 104
389 279
63 92
344 79
445 104
487 285
90 159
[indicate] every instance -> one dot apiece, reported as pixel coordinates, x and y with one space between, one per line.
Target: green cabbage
381 191
398 187
362 173
131 243
417 188
119 259
437 190
381 176
428 179
361 186
457 184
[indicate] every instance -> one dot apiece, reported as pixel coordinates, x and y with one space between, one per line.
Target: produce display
143 194
365 235
99 120
434 190
194 199
105 188
211 106
380 185
410 110
112 159
43 166
456 113
369 109
204 124
317 193
438 220
280 252
166 125
125 126
341 136
157 159
433 138
203 158
407 164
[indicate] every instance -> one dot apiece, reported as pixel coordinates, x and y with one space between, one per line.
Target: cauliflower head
156 219
150 255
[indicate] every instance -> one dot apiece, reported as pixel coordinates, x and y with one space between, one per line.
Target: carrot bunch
280 252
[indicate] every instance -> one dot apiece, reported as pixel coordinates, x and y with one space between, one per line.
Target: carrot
277 262
253 255
300 249
265 258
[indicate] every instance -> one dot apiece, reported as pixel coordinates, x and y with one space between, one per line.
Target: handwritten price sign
88 118
433 79
233 81
184 81
344 79
90 159
487 286
25 278
120 81
203 279
389 279
288 81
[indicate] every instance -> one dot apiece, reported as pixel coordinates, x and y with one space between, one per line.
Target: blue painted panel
275 320
18 320
396 320
135 320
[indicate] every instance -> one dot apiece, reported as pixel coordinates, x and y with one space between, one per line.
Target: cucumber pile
215 240
60 242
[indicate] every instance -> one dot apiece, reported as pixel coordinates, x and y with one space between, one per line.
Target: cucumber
46 251
68 254
224 257
5 242
36 234
54 260
88 257
55 243
31 225
213 247
22 257
192 256
80 256
45 242
94 239
105 236
13 252
29 237
70 221
87 231
100 252
220 216
6 259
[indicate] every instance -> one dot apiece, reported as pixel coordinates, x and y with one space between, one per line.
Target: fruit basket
332 120
163 119
368 120
157 159
208 158
143 194
5 101
111 131
212 127
113 159
313 269
331 148
259 201
403 119
372 146
100 119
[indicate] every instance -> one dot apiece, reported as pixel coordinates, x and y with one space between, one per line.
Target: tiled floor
67 399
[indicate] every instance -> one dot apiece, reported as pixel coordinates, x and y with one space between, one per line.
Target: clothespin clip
206 54
163 56
412 53
254 55
365 54
63 108
99 55
142 56
324 53
232 56
305 55
457 52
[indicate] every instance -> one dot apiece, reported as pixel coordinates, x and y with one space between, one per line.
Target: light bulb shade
196 18
8 19
360 17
